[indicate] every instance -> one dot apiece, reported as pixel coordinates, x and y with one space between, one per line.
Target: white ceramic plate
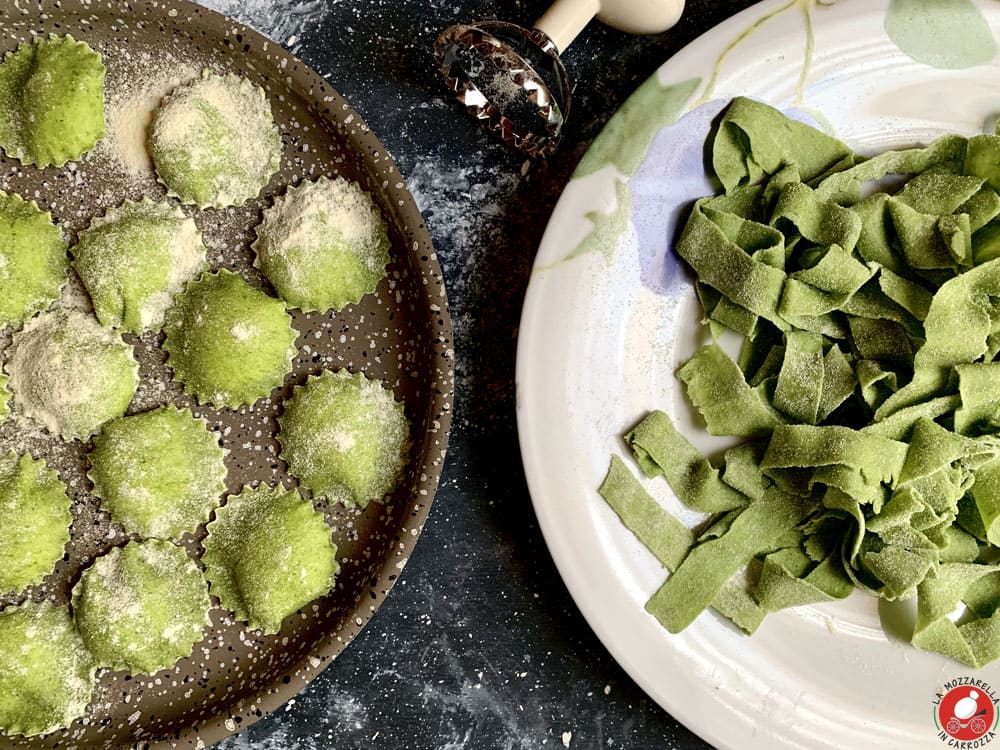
610 314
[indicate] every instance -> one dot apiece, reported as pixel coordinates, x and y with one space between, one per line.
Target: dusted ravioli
344 437
323 245
33 259
160 473
135 259
34 521
46 673
142 607
229 344
268 553
214 142
51 101
70 373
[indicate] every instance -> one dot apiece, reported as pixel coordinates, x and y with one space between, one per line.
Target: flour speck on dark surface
479 644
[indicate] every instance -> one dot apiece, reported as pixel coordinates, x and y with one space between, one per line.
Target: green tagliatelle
46 672
159 473
135 259
867 387
70 373
34 521
52 97
229 343
214 142
345 438
33 259
267 554
323 245
141 607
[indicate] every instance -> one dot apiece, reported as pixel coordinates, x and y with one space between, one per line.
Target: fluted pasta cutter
512 79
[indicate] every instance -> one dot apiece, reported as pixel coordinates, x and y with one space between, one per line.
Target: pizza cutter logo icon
967 712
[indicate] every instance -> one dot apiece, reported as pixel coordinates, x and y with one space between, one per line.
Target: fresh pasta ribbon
865 389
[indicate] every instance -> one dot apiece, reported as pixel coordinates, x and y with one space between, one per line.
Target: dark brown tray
401 335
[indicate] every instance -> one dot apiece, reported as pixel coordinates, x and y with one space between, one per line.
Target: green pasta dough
34 521
669 539
33 259
267 554
323 245
345 438
229 344
70 373
52 97
867 387
135 259
214 142
46 673
142 607
159 473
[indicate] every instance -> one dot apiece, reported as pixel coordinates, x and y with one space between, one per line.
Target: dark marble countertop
479 644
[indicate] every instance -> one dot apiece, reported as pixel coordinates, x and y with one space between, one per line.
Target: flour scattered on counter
277 740
466 210
466 205
460 703
345 710
281 20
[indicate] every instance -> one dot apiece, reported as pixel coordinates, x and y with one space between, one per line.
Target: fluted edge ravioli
159 473
214 142
46 672
268 553
323 245
33 262
344 437
70 373
51 101
142 607
34 521
135 259
228 343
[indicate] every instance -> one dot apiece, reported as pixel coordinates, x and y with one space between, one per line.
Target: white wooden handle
565 19
640 16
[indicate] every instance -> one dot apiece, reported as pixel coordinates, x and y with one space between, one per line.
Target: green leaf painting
627 136
948 34
607 229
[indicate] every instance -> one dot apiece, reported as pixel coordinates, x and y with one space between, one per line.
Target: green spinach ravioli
142 607
135 259
214 142
228 343
46 672
268 553
51 101
345 438
159 473
324 245
70 373
34 521
33 262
